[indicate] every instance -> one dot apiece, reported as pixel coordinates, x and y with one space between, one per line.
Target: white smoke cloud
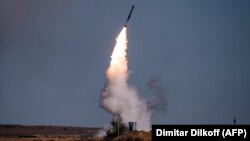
101 133
118 97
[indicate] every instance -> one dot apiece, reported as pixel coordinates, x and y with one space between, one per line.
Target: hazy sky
54 53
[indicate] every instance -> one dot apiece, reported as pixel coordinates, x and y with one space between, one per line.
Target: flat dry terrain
45 133
62 133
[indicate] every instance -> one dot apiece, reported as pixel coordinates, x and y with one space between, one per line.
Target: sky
53 57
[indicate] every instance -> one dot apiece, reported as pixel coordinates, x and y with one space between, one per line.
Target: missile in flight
126 23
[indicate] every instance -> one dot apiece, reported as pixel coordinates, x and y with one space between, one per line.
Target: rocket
126 23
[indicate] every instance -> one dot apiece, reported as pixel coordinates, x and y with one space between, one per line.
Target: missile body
126 23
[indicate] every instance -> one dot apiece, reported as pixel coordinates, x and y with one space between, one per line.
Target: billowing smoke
159 101
101 133
118 97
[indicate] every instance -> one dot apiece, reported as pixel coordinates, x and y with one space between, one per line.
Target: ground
63 133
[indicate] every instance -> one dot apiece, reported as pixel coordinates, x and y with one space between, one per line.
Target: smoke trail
159 102
117 96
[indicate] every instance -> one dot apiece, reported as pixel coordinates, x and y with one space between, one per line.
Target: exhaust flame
117 96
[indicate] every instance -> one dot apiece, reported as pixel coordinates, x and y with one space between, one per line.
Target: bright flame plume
119 98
